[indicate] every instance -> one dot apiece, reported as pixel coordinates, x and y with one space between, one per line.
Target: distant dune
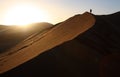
82 46
12 35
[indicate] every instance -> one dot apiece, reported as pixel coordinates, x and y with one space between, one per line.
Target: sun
24 14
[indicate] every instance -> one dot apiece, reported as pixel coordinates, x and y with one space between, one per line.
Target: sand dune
41 42
12 35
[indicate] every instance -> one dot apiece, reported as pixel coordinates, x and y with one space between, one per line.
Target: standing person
90 10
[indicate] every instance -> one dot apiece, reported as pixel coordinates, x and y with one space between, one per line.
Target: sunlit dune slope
40 43
12 35
93 53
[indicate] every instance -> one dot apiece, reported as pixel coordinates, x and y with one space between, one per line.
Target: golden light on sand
25 14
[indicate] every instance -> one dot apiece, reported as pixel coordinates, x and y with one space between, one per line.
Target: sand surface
41 42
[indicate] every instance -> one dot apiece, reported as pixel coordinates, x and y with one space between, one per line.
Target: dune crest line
61 33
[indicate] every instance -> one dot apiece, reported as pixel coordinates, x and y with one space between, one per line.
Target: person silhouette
90 10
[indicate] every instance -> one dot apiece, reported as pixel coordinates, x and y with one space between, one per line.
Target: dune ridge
59 34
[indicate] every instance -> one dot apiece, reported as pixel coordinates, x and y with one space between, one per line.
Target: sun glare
24 14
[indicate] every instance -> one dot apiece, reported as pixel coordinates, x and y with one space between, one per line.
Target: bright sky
59 10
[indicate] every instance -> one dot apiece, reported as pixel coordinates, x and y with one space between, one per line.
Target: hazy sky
60 10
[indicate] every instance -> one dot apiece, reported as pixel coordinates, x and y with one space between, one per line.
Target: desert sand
48 39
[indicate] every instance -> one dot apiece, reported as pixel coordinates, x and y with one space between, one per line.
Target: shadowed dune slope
94 52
